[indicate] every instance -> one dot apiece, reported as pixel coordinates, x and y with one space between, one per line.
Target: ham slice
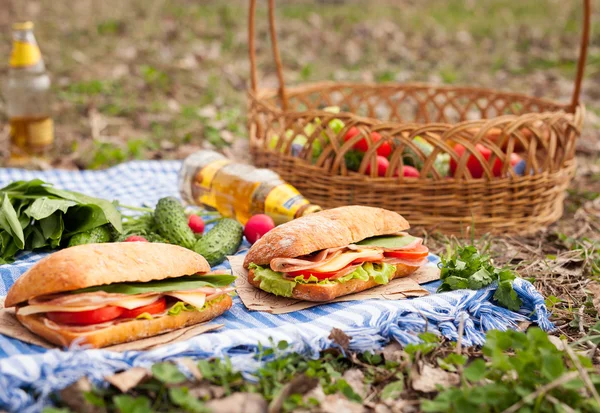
410 263
306 262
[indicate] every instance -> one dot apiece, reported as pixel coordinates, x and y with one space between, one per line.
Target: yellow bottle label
24 54
283 202
41 133
201 187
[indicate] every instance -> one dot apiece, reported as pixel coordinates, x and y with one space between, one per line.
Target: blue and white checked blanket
28 373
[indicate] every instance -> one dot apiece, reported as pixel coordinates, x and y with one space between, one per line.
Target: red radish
257 226
362 145
382 166
409 172
135 238
196 224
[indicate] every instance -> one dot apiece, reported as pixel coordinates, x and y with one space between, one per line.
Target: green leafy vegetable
188 282
128 404
273 282
467 268
389 241
168 373
35 215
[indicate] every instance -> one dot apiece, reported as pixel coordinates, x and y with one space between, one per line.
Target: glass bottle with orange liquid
27 95
238 190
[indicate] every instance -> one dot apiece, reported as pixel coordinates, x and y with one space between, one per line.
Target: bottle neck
307 209
25 51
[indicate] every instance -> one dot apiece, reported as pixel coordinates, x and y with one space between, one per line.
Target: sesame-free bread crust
327 292
336 227
126 331
99 264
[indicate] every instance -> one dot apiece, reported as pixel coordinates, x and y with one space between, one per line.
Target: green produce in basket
222 240
172 223
96 235
441 163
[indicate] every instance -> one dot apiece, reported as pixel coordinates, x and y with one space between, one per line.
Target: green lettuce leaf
389 241
273 282
180 306
381 273
188 282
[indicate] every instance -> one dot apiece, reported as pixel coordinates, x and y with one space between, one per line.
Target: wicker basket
313 158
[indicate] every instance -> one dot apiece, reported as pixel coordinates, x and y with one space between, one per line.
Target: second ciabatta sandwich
104 294
332 253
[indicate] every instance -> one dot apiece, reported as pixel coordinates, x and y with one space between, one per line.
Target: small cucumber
96 235
222 240
172 223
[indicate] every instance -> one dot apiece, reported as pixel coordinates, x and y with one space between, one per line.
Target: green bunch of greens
522 372
35 215
468 268
188 282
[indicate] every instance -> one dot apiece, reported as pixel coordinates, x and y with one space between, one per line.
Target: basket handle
583 51
276 56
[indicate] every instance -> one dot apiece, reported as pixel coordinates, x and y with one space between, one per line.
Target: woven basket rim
268 98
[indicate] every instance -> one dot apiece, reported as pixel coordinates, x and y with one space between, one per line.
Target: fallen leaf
128 379
192 366
73 397
340 338
393 352
336 403
356 379
594 288
300 384
557 342
239 403
430 377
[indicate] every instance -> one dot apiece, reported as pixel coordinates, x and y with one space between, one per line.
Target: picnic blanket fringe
26 387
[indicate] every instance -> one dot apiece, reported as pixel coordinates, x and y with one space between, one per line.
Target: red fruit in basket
409 172
382 166
475 166
257 226
362 145
196 224
135 238
514 160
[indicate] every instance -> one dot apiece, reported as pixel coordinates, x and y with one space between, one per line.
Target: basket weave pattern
292 134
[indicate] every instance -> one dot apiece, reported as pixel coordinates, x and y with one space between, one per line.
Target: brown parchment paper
10 326
258 300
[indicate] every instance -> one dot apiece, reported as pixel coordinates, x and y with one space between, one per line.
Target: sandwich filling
373 258
98 307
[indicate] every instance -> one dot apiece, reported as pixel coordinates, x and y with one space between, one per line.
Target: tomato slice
156 307
98 316
307 273
417 253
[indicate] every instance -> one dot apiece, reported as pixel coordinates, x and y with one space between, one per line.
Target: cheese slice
193 298
346 258
135 302
34 309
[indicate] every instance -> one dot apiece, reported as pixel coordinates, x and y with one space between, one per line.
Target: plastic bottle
27 95
238 190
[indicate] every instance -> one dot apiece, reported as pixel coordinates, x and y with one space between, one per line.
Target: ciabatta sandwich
105 294
324 255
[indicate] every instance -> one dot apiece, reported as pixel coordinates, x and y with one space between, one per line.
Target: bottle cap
23 26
